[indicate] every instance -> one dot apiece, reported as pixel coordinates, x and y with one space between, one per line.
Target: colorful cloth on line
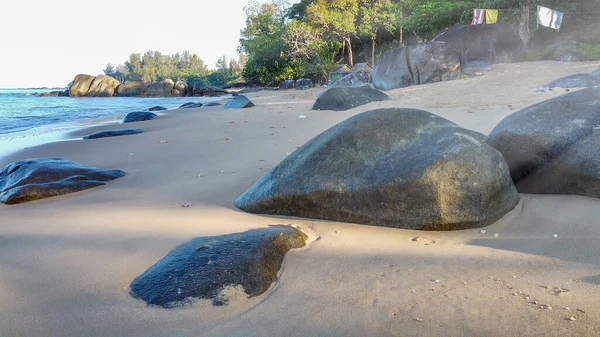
549 18
478 17
491 16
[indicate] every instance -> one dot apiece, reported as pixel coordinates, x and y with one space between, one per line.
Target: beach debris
423 240
418 319
200 176
483 231
222 171
496 235
572 318
545 306
185 205
162 141
131 154
436 281
555 236
301 117
581 311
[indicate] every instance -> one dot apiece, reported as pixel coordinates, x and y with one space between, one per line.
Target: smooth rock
163 88
33 179
103 86
401 168
553 147
345 98
238 102
81 85
139 116
157 108
576 81
211 104
203 267
132 89
113 133
190 105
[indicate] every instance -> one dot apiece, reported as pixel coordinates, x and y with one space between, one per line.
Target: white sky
48 42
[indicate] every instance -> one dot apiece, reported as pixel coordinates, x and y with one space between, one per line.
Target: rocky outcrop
401 168
210 92
103 86
132 89
340 99
351 80
157 108
553 147
205 267
139 116
304 84
34 179
417 64
576 81
209 104
81 85
238 102
180 89
113 133
481 46
163 88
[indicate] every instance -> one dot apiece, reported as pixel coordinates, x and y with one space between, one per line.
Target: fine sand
66 262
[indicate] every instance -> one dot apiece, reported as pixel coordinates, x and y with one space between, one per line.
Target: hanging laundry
491 16
549 18
478 17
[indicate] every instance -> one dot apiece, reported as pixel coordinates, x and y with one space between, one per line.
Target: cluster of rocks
301 84
454 53
106 86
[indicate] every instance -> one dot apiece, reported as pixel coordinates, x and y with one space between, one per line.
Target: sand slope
66 262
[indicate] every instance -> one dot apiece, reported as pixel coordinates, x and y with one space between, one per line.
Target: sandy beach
66 262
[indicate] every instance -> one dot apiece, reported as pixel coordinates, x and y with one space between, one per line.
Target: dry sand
66 262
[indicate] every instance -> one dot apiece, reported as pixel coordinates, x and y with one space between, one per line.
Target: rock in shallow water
204 267
33 179
553 147
345 98
157 108
401 168
113 133
139 116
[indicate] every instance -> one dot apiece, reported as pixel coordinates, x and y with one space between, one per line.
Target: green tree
376 15
337 19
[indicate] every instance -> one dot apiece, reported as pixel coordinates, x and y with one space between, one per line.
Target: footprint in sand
423 240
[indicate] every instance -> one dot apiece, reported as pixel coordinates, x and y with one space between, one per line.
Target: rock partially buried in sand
340 99
203 267
33 179
157 108
139 116
113 133
239 102
553 146
209 104
576 81
401 168
190 105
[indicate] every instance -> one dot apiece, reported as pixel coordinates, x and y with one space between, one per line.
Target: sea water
27 119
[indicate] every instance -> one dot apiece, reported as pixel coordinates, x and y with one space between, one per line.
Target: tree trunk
373 52
401 38
524 24
350 59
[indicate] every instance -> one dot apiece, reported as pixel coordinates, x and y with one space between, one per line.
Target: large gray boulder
351 80
401 168
163 88
204 267
576 81
418 64
103 86
239 102
81 85
481 46
34 179
132 89
553 147
345 98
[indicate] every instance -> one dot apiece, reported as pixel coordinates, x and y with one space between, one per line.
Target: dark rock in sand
139 116
238 102
33 179
417 64
304 84
210 91
287 84
81 85
481 46
553 147
401 168
211 104
157 108
203 267
576 81
340 99
113 133
190 105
